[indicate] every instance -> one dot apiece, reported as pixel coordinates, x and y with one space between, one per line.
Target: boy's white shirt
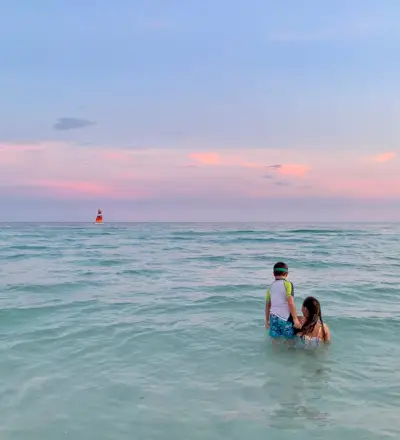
278 293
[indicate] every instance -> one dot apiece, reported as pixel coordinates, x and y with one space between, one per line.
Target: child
313 329
280 309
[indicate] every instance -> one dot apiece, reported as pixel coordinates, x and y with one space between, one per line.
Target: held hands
297 323
267 324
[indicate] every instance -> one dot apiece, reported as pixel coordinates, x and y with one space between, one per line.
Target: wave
141 272
214 258
32 310
30 247
105 263
13 257
53 287
270 240
217 232
236 288
326 231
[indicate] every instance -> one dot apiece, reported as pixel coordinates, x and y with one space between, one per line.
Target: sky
228 110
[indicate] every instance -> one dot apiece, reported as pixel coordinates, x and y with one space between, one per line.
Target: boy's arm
267 308
293 312
292 305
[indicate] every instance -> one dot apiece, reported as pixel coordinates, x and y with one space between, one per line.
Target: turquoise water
156 331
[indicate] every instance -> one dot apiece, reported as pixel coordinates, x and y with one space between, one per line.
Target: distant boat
99 217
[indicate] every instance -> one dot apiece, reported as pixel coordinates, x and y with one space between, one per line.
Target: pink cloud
71 171
64 188
296 170
252 165
11 154
75 187
364 187
117 156
384 157
6 159
113 156
18 148
206 158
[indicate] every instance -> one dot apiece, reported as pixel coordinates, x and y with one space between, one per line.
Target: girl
313 331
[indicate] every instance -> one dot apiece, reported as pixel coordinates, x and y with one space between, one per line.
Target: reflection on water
297 381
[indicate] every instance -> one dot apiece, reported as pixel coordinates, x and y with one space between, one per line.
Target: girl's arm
327 334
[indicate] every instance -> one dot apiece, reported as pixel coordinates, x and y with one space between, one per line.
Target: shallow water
156 331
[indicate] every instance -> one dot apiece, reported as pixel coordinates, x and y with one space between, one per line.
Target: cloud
364 187
6 159
252 165
115 156
11 154
76 187
65 170
256 165
384 157
282 183
13 148
206 158
297 170
67 123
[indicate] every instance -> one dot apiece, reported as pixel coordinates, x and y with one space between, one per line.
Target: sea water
156 331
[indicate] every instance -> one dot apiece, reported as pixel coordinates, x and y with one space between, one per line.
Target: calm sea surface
156 331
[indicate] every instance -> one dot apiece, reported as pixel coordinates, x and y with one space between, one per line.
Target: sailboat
99 217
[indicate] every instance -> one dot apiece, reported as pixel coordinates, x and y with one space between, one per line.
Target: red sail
99 218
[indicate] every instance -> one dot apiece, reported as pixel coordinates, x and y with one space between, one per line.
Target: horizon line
199 221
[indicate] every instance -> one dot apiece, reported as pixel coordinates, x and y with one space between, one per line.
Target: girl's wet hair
314 315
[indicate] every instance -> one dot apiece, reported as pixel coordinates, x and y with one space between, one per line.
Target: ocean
156 331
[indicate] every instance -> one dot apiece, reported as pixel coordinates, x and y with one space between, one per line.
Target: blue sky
190 76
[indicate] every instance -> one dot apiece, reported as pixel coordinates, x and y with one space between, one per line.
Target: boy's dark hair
280 268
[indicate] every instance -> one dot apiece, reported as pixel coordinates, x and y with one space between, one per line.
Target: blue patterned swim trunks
279 327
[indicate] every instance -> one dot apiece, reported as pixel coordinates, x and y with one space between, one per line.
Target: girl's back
319 334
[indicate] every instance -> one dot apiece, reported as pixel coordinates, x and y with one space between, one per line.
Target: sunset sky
182 110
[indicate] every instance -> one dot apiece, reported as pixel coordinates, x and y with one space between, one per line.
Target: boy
280 309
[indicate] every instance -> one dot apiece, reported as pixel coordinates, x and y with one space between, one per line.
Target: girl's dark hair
314 315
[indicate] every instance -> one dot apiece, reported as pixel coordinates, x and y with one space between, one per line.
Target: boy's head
281 269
